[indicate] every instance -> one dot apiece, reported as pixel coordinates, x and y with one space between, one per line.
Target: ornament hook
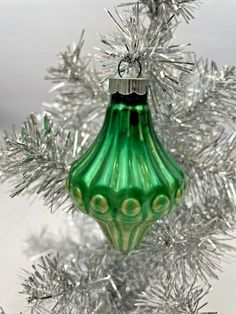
128 60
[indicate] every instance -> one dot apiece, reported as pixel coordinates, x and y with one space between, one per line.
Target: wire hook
125 60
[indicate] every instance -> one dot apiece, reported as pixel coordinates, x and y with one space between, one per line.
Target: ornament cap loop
129 62
127 86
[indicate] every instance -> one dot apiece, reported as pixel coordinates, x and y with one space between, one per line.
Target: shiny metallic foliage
193 106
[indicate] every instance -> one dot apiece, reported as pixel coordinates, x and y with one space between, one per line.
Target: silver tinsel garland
126 278
80 101
164 9
186 295
141 47
37 160
170 271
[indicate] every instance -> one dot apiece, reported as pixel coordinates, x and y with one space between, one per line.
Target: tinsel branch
170 297
66 288
37 161
188 244
164 9
201 134
80 100
144 46
71 67
131 280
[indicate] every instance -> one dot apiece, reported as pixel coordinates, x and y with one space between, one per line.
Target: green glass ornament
126 180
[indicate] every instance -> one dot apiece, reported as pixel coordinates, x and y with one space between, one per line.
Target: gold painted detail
131 207
99 204
160 204
78 196
179 196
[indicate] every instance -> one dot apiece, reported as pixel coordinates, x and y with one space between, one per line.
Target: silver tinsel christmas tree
170 272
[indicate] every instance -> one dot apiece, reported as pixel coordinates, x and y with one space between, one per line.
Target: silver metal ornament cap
127 86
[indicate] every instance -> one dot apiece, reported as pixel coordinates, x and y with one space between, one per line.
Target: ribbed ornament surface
126 179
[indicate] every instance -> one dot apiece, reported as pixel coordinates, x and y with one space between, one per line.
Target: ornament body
126 180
